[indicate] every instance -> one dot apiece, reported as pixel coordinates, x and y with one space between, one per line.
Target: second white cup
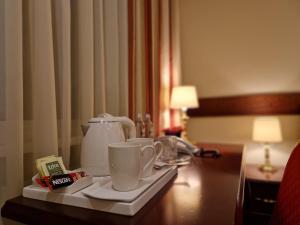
148 158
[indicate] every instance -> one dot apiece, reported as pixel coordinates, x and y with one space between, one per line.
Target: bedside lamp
267 130
184 97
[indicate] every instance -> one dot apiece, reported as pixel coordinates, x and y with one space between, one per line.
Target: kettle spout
85 128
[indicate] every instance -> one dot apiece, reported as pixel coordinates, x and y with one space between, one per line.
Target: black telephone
181 145
208 153
188 148
192 150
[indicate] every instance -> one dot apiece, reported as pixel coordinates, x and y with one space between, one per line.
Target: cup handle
158 148
153 158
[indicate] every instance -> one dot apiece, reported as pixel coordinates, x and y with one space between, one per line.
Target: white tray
103 188
78 199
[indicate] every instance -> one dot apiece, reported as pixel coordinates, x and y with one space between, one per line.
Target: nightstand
260 194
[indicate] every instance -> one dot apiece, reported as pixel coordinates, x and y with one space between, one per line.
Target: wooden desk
209 191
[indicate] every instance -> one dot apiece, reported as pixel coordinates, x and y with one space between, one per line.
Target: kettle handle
129 124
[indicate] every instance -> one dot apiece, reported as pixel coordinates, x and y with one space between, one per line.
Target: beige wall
240 47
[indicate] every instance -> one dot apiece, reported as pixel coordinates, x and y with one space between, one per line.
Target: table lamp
184 97
267 130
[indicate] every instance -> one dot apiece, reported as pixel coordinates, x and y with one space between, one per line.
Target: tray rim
94 186
78 199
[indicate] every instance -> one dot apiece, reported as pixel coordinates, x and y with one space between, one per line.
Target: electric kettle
98 133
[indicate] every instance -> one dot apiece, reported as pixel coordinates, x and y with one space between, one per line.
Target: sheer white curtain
11 99
61 62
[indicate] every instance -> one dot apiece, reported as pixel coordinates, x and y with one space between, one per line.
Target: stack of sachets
53 174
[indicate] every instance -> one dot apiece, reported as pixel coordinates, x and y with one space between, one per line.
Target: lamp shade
267 129
184 97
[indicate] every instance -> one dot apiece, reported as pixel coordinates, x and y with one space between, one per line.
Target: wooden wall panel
259 104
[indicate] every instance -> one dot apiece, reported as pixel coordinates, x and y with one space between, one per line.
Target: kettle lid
105 117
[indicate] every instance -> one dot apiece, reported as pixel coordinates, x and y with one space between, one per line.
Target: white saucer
103 188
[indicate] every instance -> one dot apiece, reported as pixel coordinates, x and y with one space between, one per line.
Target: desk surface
206 192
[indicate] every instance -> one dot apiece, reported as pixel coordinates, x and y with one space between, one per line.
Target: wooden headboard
258 104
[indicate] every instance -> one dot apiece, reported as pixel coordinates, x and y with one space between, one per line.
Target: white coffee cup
148 159
125 164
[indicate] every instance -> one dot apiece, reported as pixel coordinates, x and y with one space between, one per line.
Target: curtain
61 62
154 59
11 103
